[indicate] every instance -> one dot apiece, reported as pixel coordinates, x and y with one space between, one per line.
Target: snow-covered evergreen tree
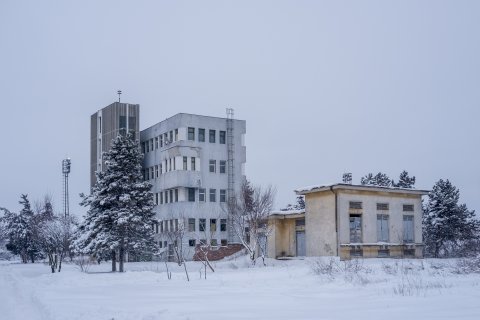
380 179
446 224
405 181
22 231
120 215
300 205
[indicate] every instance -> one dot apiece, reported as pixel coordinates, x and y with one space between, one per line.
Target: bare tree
176 235
249 213
55 237
207 243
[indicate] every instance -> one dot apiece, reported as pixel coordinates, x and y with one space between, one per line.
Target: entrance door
301 252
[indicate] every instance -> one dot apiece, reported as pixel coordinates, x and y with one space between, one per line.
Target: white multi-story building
194 163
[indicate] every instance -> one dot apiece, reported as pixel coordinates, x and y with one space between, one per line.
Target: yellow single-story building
350 221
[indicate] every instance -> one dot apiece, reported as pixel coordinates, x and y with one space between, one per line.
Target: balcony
177 179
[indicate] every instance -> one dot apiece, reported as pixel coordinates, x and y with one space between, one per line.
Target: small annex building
350 221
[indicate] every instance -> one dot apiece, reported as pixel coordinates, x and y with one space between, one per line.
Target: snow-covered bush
353 270
467 265
83 262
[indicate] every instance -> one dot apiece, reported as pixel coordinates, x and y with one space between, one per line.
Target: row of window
193 243
193 134
382 228
172 225
212 135
168 165
172 195
158 142
380 206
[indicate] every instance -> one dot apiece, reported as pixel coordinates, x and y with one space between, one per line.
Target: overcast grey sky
326 87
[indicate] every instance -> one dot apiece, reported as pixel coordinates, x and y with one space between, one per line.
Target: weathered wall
320 233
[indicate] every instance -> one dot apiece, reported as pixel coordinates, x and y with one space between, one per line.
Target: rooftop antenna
347 178
66 163
119 92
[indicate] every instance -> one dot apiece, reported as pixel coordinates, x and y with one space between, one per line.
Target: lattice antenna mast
66 164
231 169
119 92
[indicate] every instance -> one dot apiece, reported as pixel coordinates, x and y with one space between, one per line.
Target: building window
202 224
213 225
222 137
191 224
211 136
383 253
185 161
212 165
156 227
161 140
356 252
143 148
223 166
213 242
192 165
151 144
176 134
191 194
171 195
176 195
224 242
355 205
160 168
201 195
166 196
408 229
223 195
161 197
213 194
201 135
152 174
382 206
156 171
156 142
355 228
191 133
191 242
223 224
171 137
147 147
408 207
382 227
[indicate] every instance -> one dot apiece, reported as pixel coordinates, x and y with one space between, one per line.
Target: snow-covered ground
372 289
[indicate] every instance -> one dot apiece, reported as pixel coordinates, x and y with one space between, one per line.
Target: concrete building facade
354 220
105 125
194 163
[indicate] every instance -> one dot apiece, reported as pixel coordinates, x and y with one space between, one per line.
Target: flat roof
287 213
345 186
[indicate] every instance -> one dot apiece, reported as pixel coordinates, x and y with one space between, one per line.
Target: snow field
295 289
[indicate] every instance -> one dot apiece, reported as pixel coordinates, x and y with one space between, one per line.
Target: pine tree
22 232
380 179
446 224
120 215
405 181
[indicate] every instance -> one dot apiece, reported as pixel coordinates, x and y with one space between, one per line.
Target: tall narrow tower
66 163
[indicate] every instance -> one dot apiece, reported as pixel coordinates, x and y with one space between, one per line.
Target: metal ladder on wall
230 171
